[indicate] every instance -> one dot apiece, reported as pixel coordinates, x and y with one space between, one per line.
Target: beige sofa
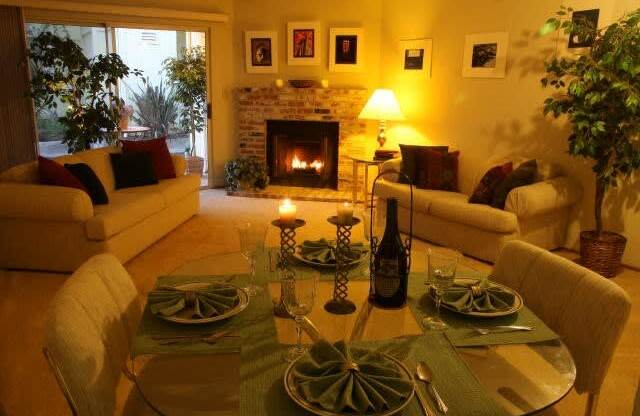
56 229
537 213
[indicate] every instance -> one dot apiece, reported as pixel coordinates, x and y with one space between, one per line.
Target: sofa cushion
438 170
160 156
133 169
172 190
98 160
524 175
410 159
124 210
422 198
483 192
53 173
90 180
456 208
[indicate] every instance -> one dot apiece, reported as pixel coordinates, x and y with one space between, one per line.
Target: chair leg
592 404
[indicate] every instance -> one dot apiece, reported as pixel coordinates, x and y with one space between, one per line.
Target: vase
123 123
602 254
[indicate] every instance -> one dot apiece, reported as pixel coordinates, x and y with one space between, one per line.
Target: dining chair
88 331
587 310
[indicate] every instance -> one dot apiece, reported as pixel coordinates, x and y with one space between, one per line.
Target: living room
397 80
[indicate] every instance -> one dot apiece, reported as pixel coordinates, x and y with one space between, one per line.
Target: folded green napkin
340 379
212 300
489 298
324 251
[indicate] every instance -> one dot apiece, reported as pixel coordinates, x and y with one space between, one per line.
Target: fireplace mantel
257 105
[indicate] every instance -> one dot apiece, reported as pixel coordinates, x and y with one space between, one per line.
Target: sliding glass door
156 110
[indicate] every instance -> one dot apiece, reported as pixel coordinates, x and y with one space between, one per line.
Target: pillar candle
345 213
287 212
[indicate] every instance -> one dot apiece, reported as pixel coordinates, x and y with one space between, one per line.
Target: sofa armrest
44 203
391 165
179 164
543 197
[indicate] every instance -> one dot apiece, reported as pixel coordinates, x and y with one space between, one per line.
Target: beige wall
485 118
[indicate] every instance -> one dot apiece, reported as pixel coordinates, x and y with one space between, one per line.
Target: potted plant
598 90
156 108
62 74
188 76
245 174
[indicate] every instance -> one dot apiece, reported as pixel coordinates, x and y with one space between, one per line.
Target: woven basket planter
602 254
195 164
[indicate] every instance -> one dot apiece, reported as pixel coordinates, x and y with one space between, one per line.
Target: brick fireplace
257 107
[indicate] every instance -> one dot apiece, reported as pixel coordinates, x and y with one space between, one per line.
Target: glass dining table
521 379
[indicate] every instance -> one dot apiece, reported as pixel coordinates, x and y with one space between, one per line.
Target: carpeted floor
28 388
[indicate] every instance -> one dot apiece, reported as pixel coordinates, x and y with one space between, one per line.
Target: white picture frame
485 55
346 49
304 43
255 43
416 56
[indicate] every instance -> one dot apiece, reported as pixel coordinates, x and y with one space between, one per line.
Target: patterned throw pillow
524 175
437 170
483 194
410 163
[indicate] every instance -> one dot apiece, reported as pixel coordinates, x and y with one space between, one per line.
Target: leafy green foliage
61 71
599 91
188 76
250 170
155 107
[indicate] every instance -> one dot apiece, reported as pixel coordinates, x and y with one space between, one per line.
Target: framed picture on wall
303 43
485 55
584 17
261 52
346 49
416 56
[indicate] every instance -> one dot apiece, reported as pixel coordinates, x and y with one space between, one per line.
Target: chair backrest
588 311
88 331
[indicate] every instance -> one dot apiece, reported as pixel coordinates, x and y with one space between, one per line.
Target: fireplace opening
303 153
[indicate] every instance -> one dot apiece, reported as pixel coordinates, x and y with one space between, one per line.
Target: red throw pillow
483 194
53 173
441 171
160 156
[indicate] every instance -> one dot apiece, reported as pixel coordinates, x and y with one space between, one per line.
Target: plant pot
602 254
246 185
123 123
195 164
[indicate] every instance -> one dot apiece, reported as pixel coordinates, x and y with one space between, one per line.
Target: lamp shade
382 105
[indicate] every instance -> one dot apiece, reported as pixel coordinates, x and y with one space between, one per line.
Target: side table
367 162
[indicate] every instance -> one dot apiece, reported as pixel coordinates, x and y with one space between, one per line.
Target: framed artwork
261 52
346 47
416 56
589 17
303 43
485 55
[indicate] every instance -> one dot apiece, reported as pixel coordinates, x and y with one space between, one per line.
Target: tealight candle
287 212
324 83
279 83
345 213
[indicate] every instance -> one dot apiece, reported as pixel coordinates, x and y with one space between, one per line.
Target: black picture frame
414 59
261 52
591 16
346 47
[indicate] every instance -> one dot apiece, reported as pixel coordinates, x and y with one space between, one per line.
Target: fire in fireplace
303 153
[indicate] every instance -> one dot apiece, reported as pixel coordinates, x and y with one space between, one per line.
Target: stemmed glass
441 272
300 294
252 236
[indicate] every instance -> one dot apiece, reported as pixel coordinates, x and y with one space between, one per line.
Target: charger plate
517 301
185 315
292 391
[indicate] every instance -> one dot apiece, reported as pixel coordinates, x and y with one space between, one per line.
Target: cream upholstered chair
588 311
88 333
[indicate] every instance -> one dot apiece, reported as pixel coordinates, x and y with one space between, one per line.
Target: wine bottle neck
392 216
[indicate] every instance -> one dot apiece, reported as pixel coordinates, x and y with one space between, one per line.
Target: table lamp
382 106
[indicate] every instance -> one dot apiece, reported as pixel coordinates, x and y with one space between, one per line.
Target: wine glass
300 294
252 236
441 272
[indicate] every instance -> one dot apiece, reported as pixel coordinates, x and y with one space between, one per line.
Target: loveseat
56 228
537 213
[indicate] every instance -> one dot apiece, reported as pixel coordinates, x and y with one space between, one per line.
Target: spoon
502 328
424 374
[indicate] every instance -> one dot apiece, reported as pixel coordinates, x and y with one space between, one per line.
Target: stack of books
386 154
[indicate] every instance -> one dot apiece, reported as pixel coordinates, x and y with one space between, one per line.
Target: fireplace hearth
303 153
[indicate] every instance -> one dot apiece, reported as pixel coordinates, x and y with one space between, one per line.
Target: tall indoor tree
188 76
61 73
598 90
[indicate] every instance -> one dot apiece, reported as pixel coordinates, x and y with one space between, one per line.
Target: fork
211 339
502 328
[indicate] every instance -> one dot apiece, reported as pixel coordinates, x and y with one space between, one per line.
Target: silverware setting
424 374
424 404
188 339
501 329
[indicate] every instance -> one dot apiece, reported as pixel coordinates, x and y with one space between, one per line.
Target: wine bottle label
387 280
